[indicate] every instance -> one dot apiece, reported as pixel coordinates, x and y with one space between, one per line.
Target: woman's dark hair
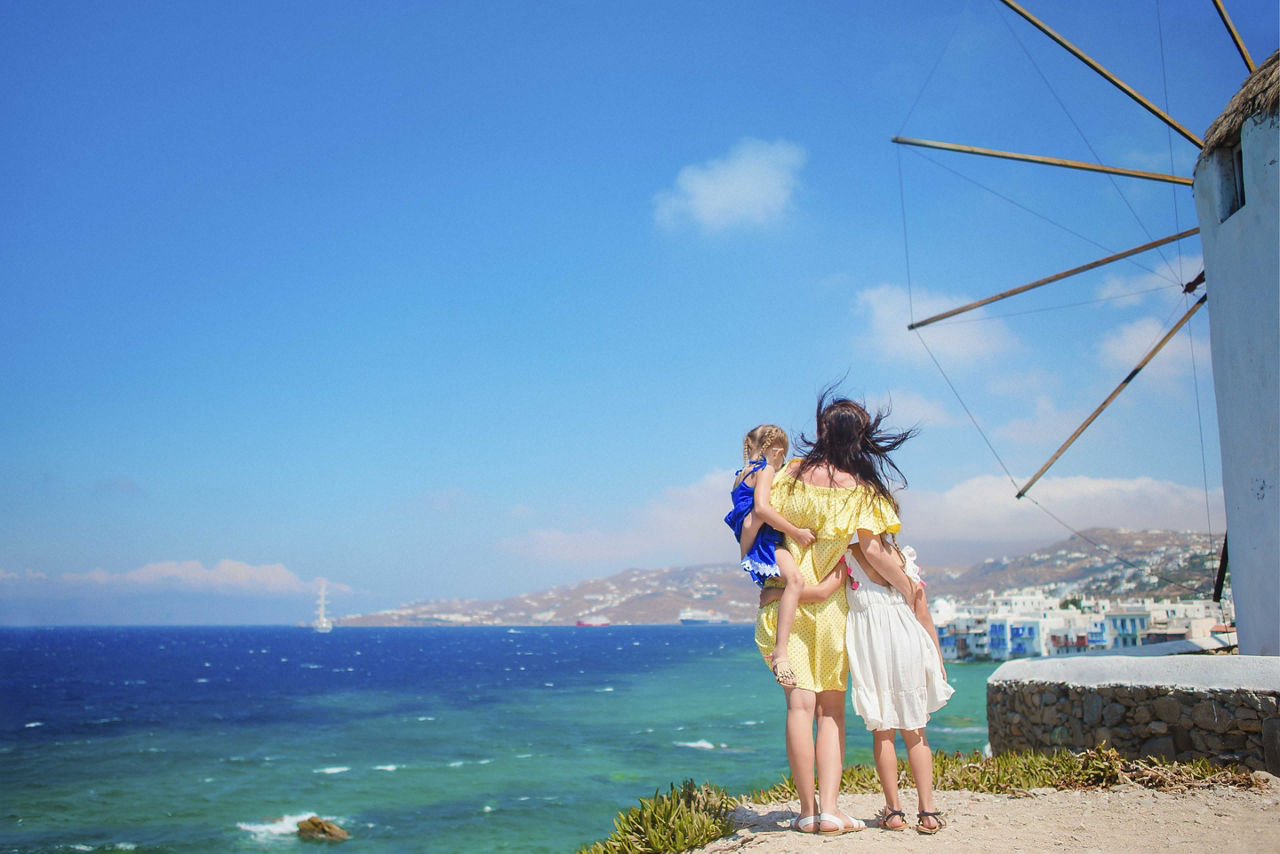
853 441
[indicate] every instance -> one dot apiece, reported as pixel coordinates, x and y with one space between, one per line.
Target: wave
33 725
337 769
701 744
270 828
958 729
385 767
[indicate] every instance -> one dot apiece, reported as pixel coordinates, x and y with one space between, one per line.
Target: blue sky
471 299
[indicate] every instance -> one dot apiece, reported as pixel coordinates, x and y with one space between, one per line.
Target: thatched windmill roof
1260 94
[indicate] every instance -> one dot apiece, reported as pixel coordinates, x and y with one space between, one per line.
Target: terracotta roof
1259 95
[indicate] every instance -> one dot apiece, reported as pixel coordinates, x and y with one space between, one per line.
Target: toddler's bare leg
750 530
790 599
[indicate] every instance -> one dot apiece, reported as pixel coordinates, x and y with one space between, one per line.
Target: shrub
684 818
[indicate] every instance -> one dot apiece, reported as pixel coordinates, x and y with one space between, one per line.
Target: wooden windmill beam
1147 358
1054 278
1235 35
1038 158
1111 78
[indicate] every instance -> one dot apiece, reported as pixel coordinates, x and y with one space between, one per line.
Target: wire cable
1079 130
918 153
953 321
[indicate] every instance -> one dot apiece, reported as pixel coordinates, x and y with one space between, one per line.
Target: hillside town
1117 589
1092 612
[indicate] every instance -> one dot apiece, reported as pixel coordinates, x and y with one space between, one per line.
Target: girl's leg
787 604
920 759
830 755
800 710
884 749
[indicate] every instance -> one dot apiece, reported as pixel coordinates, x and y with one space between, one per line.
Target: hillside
1133 564
1159 563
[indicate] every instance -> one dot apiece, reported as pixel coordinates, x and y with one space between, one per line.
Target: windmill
1235 188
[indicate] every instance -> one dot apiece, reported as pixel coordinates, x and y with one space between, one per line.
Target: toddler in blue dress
758 528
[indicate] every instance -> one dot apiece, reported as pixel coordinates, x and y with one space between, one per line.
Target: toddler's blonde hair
758 440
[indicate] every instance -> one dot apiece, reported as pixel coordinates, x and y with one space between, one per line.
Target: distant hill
1159 563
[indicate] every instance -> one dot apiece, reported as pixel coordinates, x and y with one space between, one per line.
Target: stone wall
1224 708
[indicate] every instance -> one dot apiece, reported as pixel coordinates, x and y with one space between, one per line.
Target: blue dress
760 562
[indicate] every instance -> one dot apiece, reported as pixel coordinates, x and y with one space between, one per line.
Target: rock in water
321 829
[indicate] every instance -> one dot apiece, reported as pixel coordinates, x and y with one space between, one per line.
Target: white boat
322 623
696 617
593 621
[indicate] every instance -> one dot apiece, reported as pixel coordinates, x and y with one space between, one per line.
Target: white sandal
799 823
852 825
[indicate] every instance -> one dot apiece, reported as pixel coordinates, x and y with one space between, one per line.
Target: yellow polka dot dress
834 514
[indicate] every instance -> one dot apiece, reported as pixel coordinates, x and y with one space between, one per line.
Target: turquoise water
412 739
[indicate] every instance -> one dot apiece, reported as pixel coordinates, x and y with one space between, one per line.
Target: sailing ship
322 623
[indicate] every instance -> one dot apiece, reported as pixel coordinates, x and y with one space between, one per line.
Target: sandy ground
1127 819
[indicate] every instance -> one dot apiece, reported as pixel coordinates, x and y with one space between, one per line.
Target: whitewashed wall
1242 274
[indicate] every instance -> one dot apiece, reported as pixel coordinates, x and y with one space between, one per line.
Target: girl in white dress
895 668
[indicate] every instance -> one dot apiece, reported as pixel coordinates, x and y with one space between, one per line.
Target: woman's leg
884 749
801 705
920 758
830 756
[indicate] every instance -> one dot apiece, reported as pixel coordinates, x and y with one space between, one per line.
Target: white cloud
886 312
1011 382
1048 423
908 409
1122 291
984 508
27 575
752 186
1123 347
227 576
684 524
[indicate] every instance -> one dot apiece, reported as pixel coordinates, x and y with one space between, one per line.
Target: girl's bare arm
921 607
885 564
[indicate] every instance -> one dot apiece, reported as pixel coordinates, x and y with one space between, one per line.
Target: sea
412 739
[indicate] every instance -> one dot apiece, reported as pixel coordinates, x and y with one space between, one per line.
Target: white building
1238 205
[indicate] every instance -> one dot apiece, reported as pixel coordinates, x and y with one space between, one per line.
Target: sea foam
283 826
701 744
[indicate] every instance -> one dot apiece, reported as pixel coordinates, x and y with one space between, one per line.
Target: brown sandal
921 827
885 815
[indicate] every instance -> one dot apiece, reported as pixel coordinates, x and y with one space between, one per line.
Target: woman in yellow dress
835 489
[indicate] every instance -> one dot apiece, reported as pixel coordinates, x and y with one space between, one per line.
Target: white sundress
894 669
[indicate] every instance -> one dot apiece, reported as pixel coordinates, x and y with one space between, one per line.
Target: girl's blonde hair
757 441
